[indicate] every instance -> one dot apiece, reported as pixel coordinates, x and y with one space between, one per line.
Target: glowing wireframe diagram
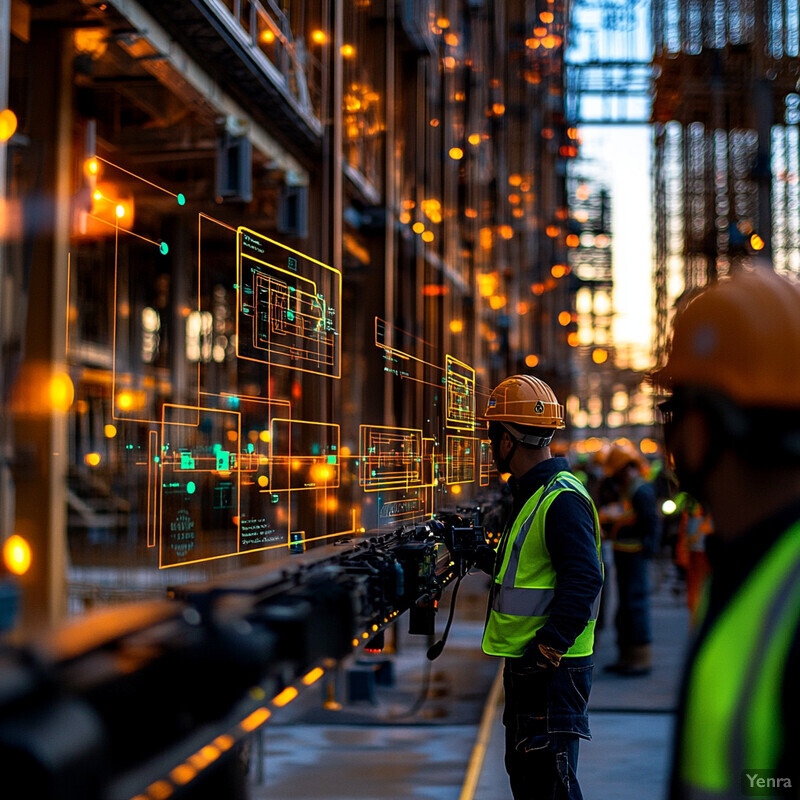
210 503
460 459
390 458
460 392
487 467
305 455
409 505
288 307
199 493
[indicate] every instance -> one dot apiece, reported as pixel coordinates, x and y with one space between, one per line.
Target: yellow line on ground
484 734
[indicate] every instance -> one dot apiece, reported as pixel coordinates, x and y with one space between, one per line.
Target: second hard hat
740 337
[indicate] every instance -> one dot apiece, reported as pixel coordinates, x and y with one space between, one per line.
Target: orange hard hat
741 337
620 456
524 400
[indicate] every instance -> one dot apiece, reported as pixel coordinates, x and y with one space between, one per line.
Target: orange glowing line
285 697
138 177
152 515
255 720
114 329
420 380
253 398
318 538
394 327
66 338
313 676
201 215
126 230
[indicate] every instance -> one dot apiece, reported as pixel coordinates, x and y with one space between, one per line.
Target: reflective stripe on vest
732 721
524 587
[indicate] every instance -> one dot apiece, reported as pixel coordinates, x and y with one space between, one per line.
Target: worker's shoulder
573 500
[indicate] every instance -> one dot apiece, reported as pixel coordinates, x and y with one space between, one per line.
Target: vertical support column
6 483
42 391
338 133
390 263
762 169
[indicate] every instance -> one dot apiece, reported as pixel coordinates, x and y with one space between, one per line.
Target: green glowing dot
181 200
191 487
290 316
164 248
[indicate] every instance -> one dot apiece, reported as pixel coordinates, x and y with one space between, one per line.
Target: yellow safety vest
524 585
732 724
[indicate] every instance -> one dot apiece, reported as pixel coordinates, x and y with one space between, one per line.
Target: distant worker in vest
634 528
545 593
732 425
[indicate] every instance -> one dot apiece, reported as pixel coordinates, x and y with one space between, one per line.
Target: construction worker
732 425
634 530
691 552
545 593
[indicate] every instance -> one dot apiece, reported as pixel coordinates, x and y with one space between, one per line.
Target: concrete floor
377 750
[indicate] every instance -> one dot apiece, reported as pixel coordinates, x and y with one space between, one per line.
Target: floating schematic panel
398 506
460 459
460 391
486 463
289 306
410 507
390 458
201 493
305 455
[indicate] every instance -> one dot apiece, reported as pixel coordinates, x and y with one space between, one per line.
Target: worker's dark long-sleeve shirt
570 541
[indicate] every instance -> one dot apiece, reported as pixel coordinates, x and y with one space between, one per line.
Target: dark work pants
545 717
633 610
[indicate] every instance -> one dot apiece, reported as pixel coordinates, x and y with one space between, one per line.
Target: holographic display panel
487 467
391 458
199 486
288 307
460 388
218 393
460 459
305 455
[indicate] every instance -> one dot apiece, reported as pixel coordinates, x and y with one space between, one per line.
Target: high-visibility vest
732 722
524 585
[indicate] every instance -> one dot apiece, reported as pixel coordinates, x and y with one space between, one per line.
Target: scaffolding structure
727 157
609 83
608 69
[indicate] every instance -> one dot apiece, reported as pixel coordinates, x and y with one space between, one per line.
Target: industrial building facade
725 110
263 262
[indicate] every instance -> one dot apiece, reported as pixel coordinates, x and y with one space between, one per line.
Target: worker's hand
542 656
484 558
